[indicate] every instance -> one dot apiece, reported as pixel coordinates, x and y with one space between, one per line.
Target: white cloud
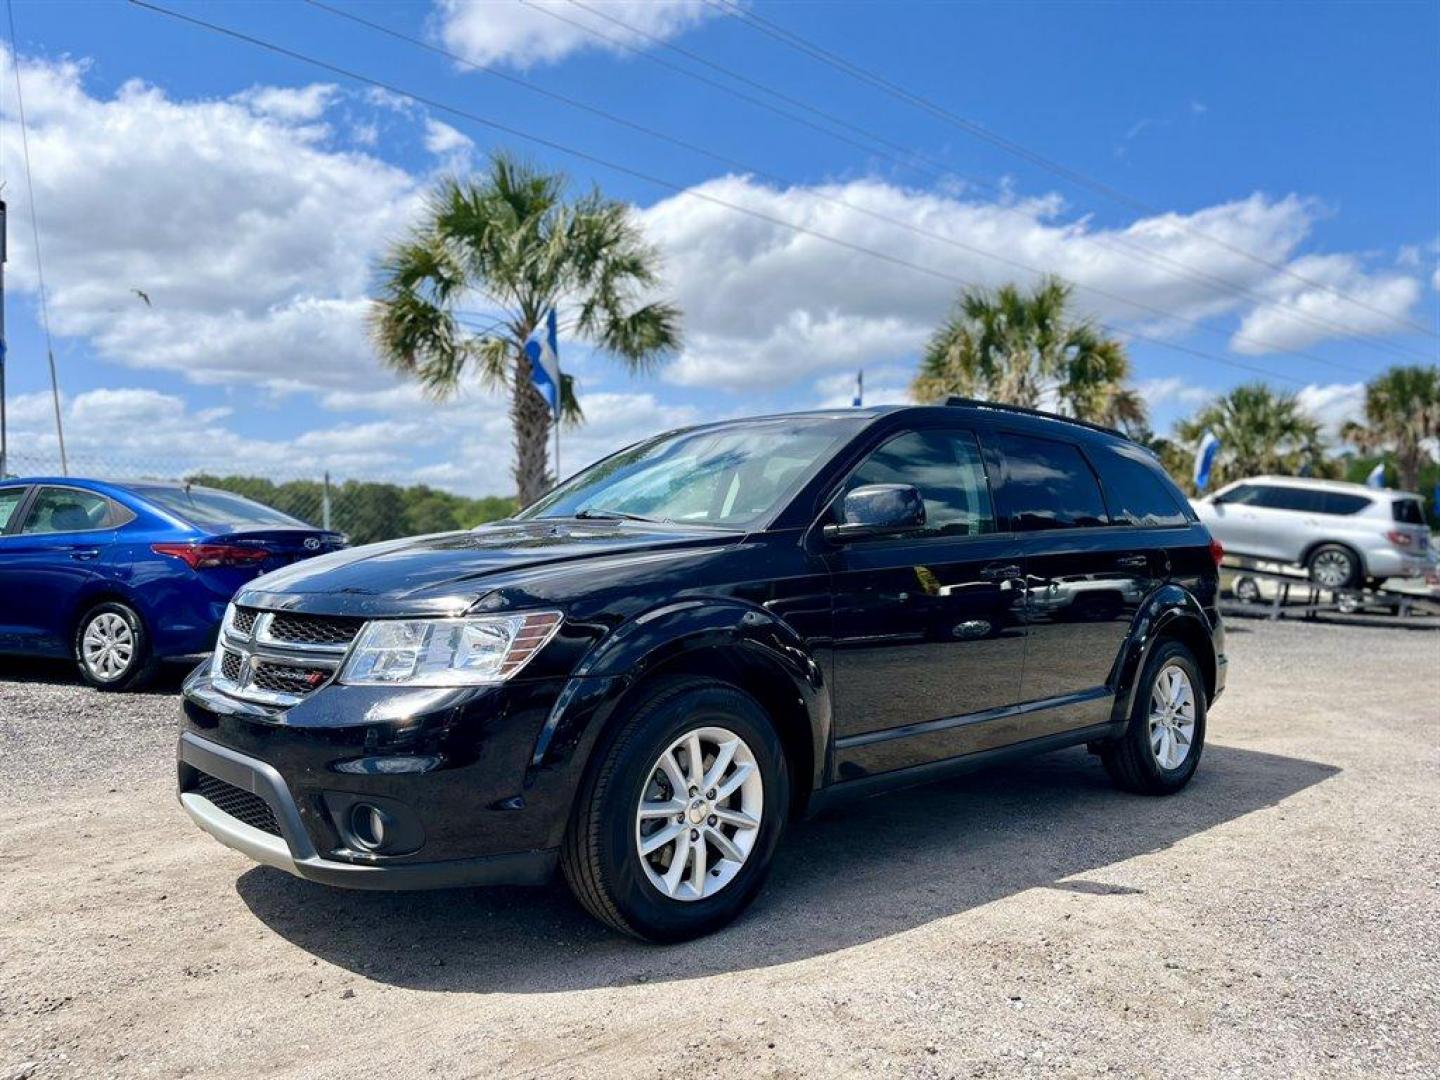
1172 389
1383 299
524 35
1332 404
766 305
253 238
443 139
464 445
290 102
883 386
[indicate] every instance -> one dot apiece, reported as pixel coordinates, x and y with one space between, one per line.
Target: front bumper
293 851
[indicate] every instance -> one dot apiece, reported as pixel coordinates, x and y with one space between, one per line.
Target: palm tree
1402 410
1017 348
511 241
1260 431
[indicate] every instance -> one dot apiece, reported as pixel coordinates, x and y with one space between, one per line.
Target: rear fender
1170 612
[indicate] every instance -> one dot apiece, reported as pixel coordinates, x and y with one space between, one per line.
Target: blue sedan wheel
113 649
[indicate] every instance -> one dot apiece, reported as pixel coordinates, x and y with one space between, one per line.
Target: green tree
1402 411
1017 347
1260 431
513 241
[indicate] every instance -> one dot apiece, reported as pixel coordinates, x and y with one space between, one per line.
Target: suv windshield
731 476
206 506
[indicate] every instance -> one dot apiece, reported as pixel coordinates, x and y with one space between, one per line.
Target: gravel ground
1279 918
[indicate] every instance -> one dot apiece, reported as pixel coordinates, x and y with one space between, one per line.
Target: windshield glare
730 477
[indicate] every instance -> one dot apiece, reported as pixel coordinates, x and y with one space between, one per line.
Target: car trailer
1295 594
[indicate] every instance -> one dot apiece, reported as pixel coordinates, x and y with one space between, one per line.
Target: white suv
1344 534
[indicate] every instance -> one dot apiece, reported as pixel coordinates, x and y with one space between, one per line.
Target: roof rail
976 403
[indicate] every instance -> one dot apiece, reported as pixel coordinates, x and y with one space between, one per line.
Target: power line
936 168
1075 176
638 174
818 195
35 233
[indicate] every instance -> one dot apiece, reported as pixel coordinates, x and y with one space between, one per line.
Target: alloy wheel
108 646
699 814
1331 569
1172 717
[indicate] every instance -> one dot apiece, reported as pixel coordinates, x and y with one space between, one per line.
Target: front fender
1170 611
732 639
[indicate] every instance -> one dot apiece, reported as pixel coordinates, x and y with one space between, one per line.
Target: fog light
369 825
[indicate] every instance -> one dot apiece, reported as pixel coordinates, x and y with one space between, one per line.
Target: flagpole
557 451
4 431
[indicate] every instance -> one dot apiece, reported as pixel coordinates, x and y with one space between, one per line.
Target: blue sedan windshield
730 476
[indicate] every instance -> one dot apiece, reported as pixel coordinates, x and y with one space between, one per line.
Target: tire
1247 590
601 857
1140 761
108 633
1334 566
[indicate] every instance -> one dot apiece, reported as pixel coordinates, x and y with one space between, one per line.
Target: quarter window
58 510
1048 485
1136 491
1405 511
945 468
9 503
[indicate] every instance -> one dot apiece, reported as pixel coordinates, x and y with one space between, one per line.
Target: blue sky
250 196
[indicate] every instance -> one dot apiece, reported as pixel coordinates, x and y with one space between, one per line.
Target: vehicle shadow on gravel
861 872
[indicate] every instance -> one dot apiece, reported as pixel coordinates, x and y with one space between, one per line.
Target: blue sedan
120 576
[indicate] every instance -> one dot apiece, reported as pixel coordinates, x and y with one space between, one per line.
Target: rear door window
1047 485
1274 497
1136 493
1342 504
10 499
64 510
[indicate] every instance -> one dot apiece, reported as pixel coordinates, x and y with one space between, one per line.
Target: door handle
1133 562
85 554
1000 573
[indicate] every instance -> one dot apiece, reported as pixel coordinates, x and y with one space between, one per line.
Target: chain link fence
365 509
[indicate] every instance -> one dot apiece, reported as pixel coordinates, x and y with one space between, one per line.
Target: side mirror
879 510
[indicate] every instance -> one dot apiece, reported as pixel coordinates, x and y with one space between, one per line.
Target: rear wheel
1161 747
112 648
1333 566
675 826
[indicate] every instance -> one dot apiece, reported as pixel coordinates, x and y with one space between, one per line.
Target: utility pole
4 432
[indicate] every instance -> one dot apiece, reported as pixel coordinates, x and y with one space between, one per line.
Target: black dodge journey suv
642 677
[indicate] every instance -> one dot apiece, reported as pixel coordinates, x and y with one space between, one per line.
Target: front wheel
1161 747
112 648
675 827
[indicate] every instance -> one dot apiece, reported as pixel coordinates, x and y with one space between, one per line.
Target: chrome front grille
278 657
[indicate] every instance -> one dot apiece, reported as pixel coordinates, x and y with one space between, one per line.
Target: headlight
447 652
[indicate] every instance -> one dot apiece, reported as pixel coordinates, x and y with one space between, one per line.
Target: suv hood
447 572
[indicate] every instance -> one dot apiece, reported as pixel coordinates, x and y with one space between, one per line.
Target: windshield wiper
596 513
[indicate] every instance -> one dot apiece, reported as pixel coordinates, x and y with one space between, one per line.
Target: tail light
1399 539
1217 552
207 556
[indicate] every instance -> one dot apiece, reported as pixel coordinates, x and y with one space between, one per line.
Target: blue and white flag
859 389
545 364
1204 459
1376 477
